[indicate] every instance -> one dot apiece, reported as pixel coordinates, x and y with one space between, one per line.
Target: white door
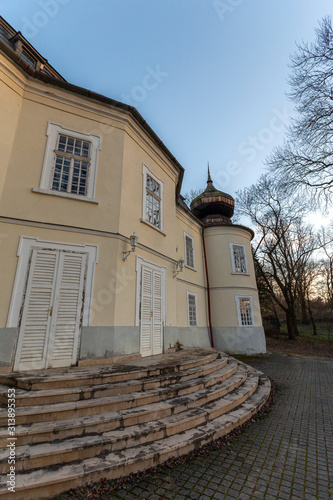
51 315
151 321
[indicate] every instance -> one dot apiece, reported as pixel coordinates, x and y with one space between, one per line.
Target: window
238 258
245 310
153 190
70 163
189 251
192 308
153 202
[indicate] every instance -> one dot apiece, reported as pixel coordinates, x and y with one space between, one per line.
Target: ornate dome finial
209 177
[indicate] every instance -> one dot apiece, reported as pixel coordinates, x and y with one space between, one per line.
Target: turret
234 302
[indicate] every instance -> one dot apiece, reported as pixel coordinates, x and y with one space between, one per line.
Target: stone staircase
78 425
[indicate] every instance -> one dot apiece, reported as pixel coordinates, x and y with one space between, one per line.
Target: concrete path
287 455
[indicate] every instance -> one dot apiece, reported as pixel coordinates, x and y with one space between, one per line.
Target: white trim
192 238
250 298
139 263
195 294
52 192
82 230
52 132
154 227
145 171
234 271
26 244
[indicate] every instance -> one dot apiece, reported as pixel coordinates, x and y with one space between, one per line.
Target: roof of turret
213 202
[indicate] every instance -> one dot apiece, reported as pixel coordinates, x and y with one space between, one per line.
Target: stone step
42 455
154 366
51 396
47 482
48 428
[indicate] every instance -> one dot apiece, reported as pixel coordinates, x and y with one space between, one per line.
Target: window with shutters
192 308
189 251
245 310
238 258
70 164
153 191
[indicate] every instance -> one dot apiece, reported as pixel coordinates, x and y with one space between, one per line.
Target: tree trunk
290 325
313 323
294 320
305 319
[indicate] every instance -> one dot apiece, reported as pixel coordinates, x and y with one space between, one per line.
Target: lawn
306 343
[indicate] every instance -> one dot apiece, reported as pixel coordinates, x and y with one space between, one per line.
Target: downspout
208 293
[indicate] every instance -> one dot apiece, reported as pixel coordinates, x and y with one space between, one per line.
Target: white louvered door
36 319
65 325
151 311
157 313
50 322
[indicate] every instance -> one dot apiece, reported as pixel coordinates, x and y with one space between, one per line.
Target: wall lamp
179 267
133 242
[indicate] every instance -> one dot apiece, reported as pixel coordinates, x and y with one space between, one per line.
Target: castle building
100 256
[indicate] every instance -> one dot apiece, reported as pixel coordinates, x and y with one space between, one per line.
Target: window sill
64 195
192 268
152 226
241 274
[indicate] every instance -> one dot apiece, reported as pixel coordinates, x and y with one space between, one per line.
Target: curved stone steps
51 396
47 482
57 429
58 411
76 376
42 455
176 403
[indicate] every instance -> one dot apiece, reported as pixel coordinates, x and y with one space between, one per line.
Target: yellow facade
35 221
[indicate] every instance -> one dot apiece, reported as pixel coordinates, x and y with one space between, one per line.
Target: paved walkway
287 455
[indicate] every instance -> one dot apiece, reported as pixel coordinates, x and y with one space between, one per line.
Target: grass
306 344
324 330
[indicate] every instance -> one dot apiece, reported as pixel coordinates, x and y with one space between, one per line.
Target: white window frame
188 293
247 297
53 131
234 270
192 239
146 171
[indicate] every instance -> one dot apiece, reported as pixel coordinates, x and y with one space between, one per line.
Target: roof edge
63 84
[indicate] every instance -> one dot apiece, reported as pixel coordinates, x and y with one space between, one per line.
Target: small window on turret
238 258
245 310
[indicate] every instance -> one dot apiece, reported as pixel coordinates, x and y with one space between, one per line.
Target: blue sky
209 76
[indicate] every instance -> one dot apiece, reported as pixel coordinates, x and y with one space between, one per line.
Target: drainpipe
208 292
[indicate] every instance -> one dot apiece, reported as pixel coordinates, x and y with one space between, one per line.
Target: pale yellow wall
25 169
119 189
217 241
224 285
182 306
135 155
104 296
224 308
11 91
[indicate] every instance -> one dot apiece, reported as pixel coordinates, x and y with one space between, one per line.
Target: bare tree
306 158
284 244
309 278
191 195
